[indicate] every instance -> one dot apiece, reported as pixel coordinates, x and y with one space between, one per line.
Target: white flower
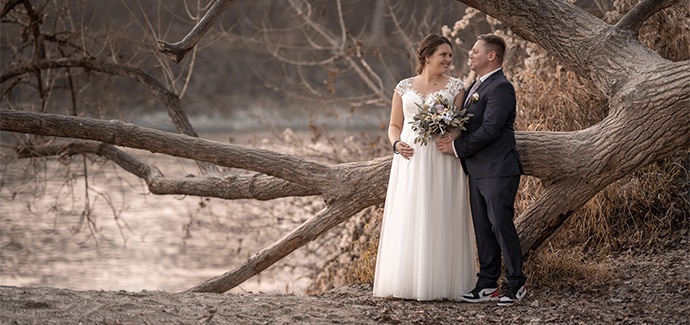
474 98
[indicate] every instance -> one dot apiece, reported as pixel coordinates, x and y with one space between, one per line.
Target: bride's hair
428 46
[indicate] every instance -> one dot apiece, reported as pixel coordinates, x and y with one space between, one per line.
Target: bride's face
440 61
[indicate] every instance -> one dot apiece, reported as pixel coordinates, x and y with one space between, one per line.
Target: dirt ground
649 289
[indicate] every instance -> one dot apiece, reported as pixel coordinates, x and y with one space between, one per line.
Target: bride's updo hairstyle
428 46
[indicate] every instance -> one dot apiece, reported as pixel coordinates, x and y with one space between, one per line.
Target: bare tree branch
326 179
634 19
230 187
407 42
178 50
578 41
339 49
9 5
308 231
170 100
119 157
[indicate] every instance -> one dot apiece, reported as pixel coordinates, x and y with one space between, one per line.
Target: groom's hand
452 134
445 144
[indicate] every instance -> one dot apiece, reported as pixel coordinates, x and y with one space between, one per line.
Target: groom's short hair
496 44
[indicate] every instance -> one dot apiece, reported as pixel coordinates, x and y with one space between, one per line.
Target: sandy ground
649 289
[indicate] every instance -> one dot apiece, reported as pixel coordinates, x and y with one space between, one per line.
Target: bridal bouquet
437 119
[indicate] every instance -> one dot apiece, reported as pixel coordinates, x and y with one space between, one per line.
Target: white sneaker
512 296
481 294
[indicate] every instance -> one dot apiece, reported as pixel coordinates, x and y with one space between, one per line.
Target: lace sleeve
455 86
403 86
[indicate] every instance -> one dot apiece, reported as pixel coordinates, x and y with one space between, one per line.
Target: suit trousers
492 203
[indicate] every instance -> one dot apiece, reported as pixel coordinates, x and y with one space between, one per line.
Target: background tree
572 166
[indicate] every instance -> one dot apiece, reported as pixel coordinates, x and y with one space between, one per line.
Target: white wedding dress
427 249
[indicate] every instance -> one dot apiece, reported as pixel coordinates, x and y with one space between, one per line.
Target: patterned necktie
472 90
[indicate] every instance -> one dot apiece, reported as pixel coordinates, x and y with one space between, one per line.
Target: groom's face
480 58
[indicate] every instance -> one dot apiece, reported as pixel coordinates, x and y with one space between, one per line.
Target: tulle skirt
427 249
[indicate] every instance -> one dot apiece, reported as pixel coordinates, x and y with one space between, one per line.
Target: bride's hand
405 150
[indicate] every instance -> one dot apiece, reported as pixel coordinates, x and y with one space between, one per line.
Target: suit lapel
483 85
491 78
467 93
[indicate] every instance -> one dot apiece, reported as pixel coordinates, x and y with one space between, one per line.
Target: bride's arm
397 119
395 128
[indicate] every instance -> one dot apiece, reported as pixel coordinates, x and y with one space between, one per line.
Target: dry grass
567 269
355 261
639 212
365 265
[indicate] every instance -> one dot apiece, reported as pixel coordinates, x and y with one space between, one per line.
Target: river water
129 239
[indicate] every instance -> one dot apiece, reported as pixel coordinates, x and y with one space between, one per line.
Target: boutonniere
474 98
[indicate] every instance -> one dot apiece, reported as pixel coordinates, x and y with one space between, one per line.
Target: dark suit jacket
487 147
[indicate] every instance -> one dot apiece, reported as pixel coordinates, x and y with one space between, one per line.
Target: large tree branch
585 44
350 187
368 175
178 50
634 19
170 100
230 187
329 181
644 127
122 159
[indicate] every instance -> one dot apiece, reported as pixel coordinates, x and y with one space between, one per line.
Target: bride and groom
442 214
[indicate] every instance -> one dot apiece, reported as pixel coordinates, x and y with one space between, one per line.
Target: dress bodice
411 97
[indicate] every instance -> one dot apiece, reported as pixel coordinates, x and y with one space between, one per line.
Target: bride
427 246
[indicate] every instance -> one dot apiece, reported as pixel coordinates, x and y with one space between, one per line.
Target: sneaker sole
479 300
492 297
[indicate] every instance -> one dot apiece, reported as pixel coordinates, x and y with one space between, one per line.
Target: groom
488 156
